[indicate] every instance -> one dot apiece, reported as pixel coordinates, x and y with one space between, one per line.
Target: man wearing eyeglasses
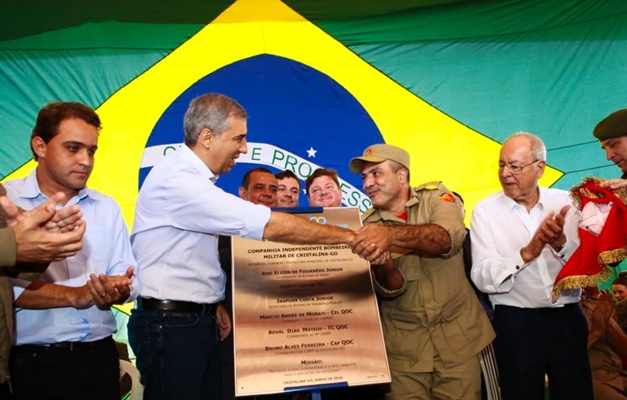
521 238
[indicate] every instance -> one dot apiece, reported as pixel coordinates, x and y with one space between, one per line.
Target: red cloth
590 259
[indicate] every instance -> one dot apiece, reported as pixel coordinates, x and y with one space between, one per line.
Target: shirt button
517 267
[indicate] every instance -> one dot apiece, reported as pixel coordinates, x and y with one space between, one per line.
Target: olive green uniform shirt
7 259
7 239
435 312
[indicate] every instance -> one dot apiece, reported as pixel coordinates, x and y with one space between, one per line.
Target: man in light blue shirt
63 320
179 215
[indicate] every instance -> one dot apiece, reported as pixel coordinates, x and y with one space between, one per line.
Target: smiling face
223 150
522 187
324 192
386 188
620 292
288 192
262 189
66 161
616 151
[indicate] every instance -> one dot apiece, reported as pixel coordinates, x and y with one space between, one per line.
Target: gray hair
396 166
210 111
538 150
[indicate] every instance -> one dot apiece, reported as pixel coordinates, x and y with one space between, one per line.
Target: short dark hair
211 111
51 116
621 280
246 178
287 174
318 173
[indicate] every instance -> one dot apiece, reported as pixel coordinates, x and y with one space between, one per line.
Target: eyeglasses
515 169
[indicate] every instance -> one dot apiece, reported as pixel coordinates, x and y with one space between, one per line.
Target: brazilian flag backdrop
447 80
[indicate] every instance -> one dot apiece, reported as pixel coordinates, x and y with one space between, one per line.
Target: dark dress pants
86 371
533 342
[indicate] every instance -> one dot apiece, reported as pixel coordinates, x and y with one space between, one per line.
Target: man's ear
205 138
541 167
402 175
39 146
243 193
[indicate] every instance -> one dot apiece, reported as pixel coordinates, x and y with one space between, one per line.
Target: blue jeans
177 354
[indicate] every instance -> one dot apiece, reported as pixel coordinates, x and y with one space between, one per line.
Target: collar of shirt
511 203
31 190
186 153
378 214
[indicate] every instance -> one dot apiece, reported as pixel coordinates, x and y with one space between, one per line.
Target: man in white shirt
521 238
179 215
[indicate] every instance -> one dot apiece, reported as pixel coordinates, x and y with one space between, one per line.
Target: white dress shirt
106 250
499 229
178 217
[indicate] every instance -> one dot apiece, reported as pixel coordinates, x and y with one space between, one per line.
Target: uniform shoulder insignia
429 185
367 214
447 197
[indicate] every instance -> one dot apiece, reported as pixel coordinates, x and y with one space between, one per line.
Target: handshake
373 243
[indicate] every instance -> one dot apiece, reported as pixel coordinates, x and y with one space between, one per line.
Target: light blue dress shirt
178 217
106 249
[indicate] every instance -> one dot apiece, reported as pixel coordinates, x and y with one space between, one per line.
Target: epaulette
367 213
429 185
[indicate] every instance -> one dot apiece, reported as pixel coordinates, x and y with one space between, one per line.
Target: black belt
68 346
174 305
542 309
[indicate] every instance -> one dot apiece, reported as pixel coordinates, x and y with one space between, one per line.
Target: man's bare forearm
430 238
40 295
288 228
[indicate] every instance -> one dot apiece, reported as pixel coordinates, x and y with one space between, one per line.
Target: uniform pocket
405 337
